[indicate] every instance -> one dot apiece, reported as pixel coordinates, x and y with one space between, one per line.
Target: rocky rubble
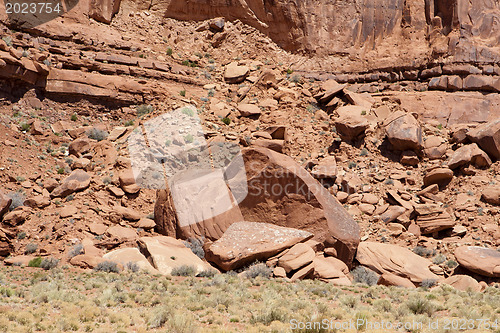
341 170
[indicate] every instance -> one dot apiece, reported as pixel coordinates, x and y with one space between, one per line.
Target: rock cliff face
465 29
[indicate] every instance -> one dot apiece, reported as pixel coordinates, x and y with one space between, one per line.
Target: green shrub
169 51
129 123
439 259
184 270
226 120
182 93
25 127
35 262
424 252
74 117
188 138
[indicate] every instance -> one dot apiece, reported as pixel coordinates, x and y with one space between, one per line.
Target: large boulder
439 176
463 282
481 260
78 180
487 136
351 123
491 195
166 253
393 259
131 255
5 244
5 202
404 131
246 242
281 192
296 257
234 73
103 10
469 154
332 270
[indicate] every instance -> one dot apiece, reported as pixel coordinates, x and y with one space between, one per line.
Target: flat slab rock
245 242
166 253
393 259
481 260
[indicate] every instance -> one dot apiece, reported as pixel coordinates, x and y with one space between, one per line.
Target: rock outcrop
393 259
246 242
481 260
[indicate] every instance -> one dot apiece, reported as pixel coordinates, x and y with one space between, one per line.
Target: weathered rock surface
491 195
78 180
481 260
403 131
235 73
5 202
463 282
283 193
166 253
487 136
326 168
297 256
246 242
130 255
439 176
469 154
393 259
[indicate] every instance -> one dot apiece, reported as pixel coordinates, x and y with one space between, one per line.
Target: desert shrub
184 270
159 317
31 248
258 269
424 252
129 123
439 259
21 235
132 266
188 138
49 263
364 275
17 199
144 109
76 250
428 283
108 267
6 292
169 51
35 262
25 127
74 117
196 245
451 263
97 134
182 93
418 305
226 120
207 273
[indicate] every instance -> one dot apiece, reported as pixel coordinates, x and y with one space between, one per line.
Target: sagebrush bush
439 259
428 283
76 250
258 269
207 273
365 275
424 252
97 134
17 199
144 109
49 263
132 266
31 248
184 270
196 245
419 305
108 267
